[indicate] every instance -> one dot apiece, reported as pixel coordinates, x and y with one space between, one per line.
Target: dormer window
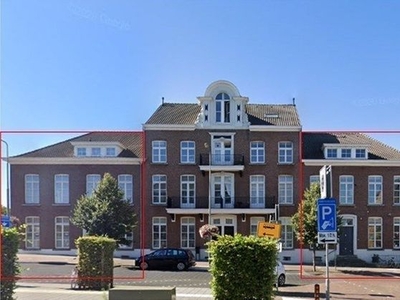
110 151
361 153
95 151
80 151
346 153
331 153
222 107
334 151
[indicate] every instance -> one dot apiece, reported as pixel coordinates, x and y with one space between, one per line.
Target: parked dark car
167 258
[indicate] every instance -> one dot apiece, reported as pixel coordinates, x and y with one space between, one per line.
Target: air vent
274 116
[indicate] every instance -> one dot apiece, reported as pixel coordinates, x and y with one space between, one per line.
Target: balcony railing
218 202
207 159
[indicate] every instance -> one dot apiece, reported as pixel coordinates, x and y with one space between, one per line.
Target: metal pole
8 179
327 272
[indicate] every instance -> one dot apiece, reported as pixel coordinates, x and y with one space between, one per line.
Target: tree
105 212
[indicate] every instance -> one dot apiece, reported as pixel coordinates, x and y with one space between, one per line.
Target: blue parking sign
327 215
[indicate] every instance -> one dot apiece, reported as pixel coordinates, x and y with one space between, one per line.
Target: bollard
316 291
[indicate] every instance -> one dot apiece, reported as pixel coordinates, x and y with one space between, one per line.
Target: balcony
221 162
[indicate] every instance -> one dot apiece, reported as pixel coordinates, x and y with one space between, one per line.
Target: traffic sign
265 229
5 221
327 215
327 237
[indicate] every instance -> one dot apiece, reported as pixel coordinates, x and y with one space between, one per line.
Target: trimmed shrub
10 238
95 262
242 267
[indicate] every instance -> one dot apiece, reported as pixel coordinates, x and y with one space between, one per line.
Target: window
32 233
374 189
110 151
159 232
61 188
187 232
346 153
314 179
92 181
129 239
159 151
81 151
257 191
125 183
31 188
187 152
286 233
374 233
254 224
361 153
257 152
285 152
396 190
96 151
331 153
188 190
159 189
346 189
396 233
62 232
285 191
222 107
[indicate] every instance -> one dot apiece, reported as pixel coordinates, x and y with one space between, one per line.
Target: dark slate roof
186 114
131 141
313 142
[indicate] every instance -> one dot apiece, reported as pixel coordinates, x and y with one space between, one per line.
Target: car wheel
144 265
281 280
181 266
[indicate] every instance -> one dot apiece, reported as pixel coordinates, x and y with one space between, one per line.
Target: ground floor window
286 233
374 232
159 232
129 239
32 235
62 232
225 224
254 224
396 233
187 232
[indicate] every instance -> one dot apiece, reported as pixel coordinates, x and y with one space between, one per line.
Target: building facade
222 161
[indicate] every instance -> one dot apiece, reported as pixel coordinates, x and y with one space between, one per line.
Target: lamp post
7 178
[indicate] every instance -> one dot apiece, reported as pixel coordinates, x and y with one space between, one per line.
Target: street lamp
209 182
7 178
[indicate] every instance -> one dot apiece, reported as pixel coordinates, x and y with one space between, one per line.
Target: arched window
222 108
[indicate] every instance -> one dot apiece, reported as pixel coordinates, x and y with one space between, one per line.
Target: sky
73 65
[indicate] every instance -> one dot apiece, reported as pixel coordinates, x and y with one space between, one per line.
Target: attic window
274 116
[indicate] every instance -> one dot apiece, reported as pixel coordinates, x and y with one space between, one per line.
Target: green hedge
95 262
242 267
10 238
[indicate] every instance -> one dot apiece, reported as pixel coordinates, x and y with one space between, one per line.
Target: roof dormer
97 149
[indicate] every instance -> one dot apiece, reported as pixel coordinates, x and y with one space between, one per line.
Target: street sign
265 229
5 221
327 237
327 215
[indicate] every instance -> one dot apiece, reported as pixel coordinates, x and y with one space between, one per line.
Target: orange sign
265 229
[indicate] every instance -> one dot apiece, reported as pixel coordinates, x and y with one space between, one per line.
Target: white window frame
375 190
396 190
61 188
257 152
125 183
257 191
222 108
61 230
159 152
129 237
95 152
396 233
332 153
188 152
360 153
345 153
375 233
188 232
32 189
111 152
92 182
159 189
285 189
32 232
346 189
81 152
159 232
188 190
287 233
285 152
254 224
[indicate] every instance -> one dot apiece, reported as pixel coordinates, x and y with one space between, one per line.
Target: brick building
223 159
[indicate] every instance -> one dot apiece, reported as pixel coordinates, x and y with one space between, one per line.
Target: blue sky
104 65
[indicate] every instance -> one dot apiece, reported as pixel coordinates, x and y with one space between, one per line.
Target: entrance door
346 240
225 224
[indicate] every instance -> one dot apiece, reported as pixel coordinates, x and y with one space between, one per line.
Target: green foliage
95 262
9 267
105 213
242 267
